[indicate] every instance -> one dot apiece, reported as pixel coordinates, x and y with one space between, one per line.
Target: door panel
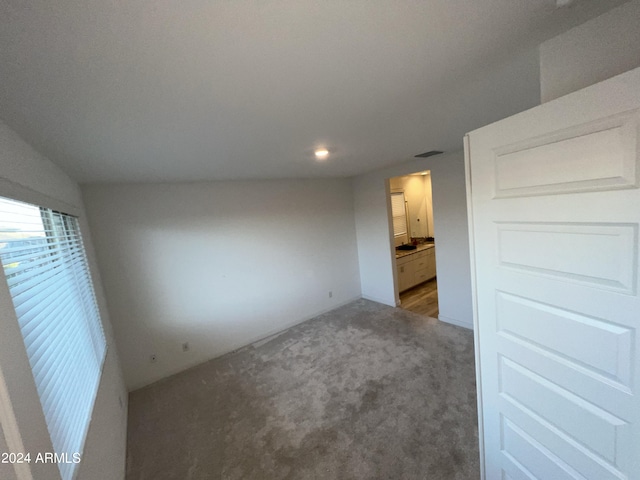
554 219
596 155
573 252
553 334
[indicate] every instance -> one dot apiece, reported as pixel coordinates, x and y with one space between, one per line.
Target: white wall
218 264
378 278
589 53
452 240
26 175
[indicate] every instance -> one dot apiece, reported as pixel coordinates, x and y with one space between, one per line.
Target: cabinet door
421 275
422 260
431 263
405 275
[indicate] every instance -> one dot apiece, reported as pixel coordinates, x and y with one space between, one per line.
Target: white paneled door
554 217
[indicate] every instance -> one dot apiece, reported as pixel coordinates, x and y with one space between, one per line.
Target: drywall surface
218 264
452 240
592 52
25 169
376 258
27 176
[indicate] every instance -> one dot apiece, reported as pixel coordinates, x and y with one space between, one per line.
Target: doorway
414 242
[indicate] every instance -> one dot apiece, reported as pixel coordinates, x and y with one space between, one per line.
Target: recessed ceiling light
322 153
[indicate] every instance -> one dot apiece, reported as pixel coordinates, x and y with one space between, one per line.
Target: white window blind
46 270
399 215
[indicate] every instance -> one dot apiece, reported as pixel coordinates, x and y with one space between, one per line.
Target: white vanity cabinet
406 272
416 267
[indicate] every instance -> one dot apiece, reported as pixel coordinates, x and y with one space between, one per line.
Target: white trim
265 338
238 346
379 300
453 321
47 257
474 305
22 193
21 415
9 427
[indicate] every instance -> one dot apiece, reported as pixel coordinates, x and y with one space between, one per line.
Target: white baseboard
379 300
453 321
255 341
283 328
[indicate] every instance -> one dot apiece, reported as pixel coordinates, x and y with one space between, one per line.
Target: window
398 212
48 277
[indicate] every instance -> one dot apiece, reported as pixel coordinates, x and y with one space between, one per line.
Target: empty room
308 240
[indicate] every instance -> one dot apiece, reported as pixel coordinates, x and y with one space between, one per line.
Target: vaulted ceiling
163 90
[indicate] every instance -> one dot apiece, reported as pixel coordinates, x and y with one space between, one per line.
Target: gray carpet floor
363 392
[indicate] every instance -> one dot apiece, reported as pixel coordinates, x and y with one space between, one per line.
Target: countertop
421 248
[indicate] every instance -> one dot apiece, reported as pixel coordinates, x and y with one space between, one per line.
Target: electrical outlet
153 358
185 347
330 294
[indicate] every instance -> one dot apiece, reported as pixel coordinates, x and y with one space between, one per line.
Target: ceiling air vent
430 153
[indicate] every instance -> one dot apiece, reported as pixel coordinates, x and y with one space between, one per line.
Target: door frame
392 250
474 305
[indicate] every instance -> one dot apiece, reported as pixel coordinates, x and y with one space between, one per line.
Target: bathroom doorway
414 242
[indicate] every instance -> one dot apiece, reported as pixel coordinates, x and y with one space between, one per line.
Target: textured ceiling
159 90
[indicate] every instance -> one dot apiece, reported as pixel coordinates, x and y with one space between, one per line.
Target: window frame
21 413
